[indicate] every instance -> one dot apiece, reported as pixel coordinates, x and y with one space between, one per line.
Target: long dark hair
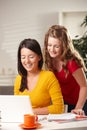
33 45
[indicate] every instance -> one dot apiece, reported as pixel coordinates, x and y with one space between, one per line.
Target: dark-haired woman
41 85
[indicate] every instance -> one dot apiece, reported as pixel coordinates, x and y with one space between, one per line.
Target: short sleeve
72 66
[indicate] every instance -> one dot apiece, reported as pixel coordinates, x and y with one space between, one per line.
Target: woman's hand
78 111
41 111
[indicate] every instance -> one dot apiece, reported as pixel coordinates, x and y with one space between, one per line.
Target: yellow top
47 92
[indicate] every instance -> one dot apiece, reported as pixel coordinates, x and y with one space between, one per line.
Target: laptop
14 107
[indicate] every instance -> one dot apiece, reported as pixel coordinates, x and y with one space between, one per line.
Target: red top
69 86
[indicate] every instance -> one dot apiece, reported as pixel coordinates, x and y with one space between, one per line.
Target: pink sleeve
72 66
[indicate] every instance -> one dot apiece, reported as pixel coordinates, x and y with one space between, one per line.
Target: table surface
46 125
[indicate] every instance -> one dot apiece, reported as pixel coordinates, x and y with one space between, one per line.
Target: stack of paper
65 117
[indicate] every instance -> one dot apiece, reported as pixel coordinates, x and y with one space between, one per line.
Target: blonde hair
69 52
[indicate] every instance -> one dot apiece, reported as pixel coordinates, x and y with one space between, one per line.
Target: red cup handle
36 118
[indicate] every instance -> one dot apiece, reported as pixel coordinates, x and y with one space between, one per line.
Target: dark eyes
55 46
23 57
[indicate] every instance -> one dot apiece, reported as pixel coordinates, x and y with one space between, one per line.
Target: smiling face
54 47
29 60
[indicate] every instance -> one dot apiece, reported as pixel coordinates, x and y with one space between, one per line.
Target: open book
65 117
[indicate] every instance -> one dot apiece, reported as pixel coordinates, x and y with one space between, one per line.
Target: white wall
21 19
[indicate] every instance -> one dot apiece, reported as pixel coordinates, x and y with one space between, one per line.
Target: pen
43 118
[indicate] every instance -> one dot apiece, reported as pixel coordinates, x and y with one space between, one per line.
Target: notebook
63 116
66 117
14 107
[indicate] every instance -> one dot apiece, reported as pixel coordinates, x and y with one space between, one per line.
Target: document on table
65 117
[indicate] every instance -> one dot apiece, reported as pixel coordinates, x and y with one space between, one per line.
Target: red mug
30 120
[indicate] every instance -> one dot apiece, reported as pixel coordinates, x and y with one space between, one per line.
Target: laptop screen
13 108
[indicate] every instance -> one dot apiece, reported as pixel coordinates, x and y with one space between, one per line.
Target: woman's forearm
82 98
41 111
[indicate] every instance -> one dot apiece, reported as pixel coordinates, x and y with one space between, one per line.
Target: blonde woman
68 66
